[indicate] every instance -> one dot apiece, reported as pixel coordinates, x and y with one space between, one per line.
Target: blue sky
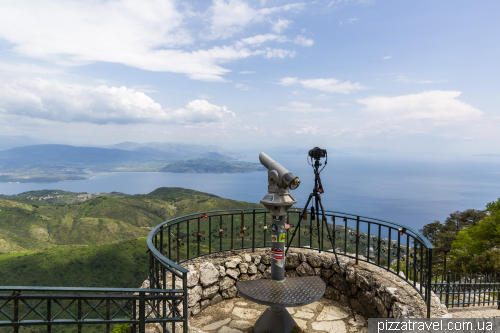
410 76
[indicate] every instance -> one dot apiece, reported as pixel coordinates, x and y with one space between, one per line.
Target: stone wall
376 293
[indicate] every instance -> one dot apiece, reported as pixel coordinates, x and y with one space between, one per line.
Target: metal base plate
293 291
274 320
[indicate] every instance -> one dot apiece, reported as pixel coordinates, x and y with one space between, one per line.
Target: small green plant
121 328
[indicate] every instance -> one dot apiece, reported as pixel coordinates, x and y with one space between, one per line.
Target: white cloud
387 57
301 40
278 53
349 21
404 78
149 35
247 72
243 87
327 85
322 96
434 105
280 25
56 101
28 68
231 17
260 39
308 129
301 107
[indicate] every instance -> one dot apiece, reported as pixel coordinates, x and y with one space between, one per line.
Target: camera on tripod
317 153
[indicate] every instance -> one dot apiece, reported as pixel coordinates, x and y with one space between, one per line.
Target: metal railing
51 306
468 289
396 248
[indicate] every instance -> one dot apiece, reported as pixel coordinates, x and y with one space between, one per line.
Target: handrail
418 262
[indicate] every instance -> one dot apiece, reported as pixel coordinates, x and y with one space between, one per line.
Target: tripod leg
298 224
323 217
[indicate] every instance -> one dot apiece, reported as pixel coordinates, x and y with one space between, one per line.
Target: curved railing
394 247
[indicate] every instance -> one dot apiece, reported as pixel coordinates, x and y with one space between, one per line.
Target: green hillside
39 220
118 265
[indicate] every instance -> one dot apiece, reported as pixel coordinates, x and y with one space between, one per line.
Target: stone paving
238 315
475 312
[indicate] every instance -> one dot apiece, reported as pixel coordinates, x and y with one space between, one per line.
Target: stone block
208 274
233 263
226 283
317 271
305 270
194 295
192 276
292 260
195 309
243 267
291 273
230 292
327 273
205 303
233 272
265 259
210 291
314 260
262 268
252 269
222 271
216 299
267 273
327 262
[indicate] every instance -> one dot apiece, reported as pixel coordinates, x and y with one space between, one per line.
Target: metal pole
278 248
448 288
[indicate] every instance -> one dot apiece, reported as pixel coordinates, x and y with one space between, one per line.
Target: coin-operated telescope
278 199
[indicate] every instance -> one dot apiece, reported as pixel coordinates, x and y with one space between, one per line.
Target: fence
469 289
50 306
394 247
391 246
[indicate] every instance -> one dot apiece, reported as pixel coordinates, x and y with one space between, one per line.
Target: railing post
253 232
16 313
142 312
49 315
448 288
108 325
357 238
79 315
429 282
185 304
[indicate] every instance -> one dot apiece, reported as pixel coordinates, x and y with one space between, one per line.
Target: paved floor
475 312
238 315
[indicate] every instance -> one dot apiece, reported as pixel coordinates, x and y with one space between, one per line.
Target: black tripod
318 189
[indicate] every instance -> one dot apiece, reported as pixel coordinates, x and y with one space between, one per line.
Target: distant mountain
168 150
7 142
212 163
70 155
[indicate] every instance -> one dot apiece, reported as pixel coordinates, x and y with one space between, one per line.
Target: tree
442 236
478 247
431 230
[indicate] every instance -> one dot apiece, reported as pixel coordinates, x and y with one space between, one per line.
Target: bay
412 192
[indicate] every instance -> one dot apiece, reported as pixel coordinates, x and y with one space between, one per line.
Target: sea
405 190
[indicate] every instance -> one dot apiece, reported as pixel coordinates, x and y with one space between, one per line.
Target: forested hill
44 219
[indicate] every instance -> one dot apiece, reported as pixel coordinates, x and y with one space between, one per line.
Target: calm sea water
404 191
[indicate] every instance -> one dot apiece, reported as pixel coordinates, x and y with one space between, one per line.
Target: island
212 163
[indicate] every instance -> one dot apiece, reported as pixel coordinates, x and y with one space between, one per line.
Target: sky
417 77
